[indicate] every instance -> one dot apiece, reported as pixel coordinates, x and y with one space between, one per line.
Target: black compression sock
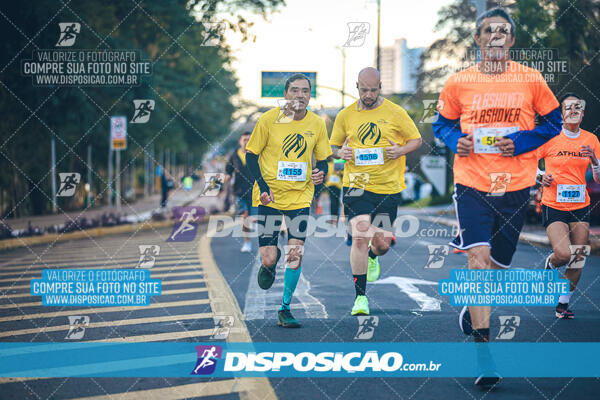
481 335
360 284
371 254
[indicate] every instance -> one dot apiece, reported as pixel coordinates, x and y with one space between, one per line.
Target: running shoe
393 242
373 268
491 379
266 276
563 312
247 247
464 321
348 240
547 262
361 306
286 320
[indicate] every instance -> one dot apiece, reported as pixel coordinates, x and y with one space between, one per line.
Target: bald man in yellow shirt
373 135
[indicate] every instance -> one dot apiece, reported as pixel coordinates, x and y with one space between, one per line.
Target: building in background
399 65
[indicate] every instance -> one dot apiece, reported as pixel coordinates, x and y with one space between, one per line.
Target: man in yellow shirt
373 135
279 154
334 187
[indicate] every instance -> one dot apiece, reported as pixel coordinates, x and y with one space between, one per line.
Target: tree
192 86
570 28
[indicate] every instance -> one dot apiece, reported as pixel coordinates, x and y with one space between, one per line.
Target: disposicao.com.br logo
351 362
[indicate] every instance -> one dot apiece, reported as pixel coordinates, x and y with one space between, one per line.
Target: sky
307 35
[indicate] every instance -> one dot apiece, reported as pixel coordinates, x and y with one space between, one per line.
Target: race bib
485 138
570 193
368 156
333 179
291 171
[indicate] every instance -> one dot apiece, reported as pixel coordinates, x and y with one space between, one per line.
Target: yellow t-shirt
285 152
242 155
369 132
334 178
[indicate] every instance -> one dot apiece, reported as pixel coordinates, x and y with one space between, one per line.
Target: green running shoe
286 320
373 268
266 276
361 306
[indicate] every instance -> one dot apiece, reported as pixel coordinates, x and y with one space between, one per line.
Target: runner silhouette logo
187 223
68 33
148 254
207 359
508 326
77 325
223 324
357 34
431 110
437 255
68 183
366 327
142 110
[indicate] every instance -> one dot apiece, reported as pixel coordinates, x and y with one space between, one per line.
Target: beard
369 103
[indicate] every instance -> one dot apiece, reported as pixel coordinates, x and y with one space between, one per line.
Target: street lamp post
480 5
53 172
378 35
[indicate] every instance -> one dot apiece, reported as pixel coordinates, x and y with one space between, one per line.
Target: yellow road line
158 337
157 267
39 303
166 283
224 302
86 234
98 310
37 274
177 392
165 275
114 323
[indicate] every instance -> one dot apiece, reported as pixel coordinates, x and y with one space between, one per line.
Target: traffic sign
273 82
434 168
118 133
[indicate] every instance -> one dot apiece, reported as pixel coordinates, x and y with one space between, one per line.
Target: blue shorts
243 205
494 221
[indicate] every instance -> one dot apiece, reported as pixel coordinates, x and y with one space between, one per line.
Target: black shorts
269 221
383 208
550 215
494 221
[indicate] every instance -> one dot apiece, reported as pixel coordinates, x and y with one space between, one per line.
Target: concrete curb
88 233
83 234
527 237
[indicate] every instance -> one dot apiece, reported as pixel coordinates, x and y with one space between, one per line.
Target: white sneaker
247 247
547 262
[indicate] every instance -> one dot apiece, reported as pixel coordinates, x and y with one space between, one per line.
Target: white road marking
424 242
408 286
261 304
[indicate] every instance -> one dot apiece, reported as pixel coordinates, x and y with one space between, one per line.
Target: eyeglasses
574 107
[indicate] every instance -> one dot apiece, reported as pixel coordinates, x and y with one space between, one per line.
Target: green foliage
192 86
568 26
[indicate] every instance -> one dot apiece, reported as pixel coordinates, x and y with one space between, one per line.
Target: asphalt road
325 297
408 311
